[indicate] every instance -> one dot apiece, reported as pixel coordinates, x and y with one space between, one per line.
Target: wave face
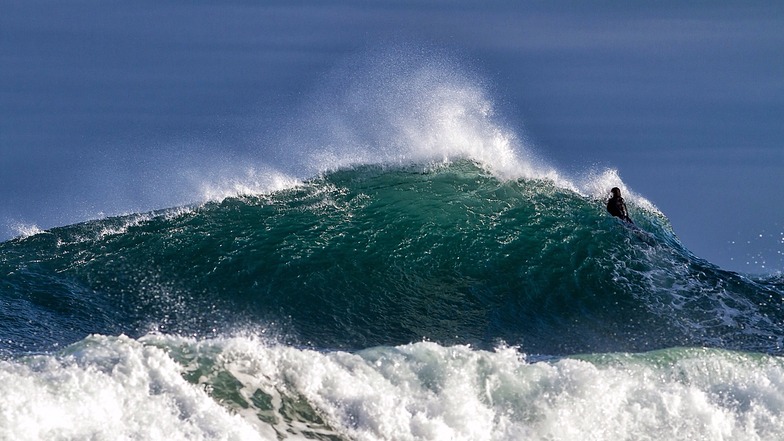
372 256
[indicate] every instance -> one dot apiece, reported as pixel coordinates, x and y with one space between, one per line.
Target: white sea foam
107 389
425 391
242 388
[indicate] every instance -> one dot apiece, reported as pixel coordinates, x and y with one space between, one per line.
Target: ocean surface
447 287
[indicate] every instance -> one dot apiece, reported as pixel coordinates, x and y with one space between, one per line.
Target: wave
376 255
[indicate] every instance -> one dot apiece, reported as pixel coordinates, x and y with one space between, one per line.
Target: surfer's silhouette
617 207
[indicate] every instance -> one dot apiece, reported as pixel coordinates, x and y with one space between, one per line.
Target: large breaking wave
399 266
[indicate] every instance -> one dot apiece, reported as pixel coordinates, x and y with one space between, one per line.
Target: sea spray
398 107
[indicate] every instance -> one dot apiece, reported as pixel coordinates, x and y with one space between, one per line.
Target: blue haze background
105 104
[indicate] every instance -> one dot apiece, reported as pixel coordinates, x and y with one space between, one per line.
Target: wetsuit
617 208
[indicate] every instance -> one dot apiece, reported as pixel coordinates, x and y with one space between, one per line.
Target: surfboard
640 233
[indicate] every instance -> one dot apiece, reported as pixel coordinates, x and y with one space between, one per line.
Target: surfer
617 207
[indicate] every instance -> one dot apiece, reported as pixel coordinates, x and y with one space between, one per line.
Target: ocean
431 281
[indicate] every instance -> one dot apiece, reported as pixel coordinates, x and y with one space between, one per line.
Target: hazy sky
102 102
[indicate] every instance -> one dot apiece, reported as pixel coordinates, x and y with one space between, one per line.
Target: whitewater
401 266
